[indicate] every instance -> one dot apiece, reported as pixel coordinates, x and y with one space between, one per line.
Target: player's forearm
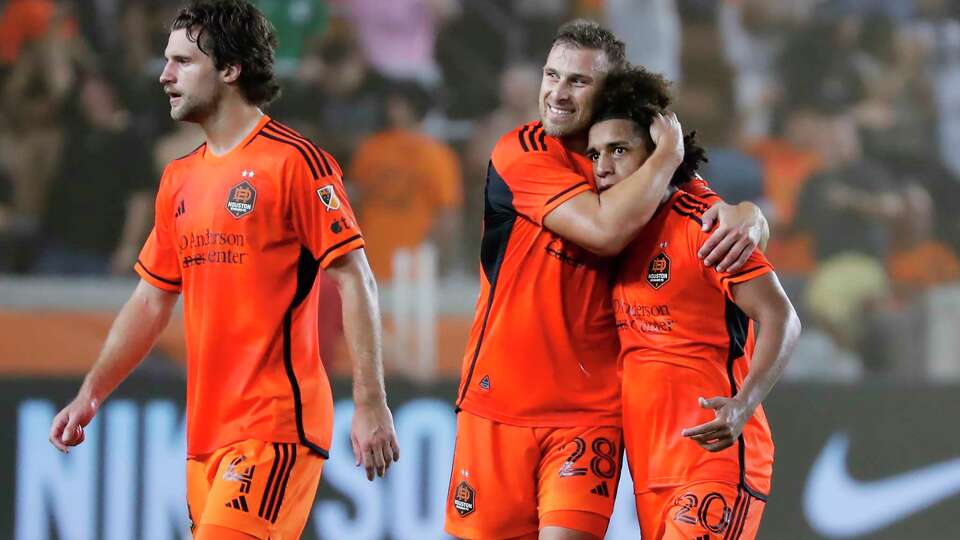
362 331
132 335
779 329
626 207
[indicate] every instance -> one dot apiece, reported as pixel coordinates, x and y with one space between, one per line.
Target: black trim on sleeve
568 190
335 247
175 283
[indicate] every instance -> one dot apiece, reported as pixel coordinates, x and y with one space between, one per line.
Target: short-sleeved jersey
682 337
243 236
542 348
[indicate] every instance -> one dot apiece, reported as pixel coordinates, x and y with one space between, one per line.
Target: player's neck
576 142
229 125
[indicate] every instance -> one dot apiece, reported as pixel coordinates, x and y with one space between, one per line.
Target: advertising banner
874 461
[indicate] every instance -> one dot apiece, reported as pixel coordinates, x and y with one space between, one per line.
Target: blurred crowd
838 117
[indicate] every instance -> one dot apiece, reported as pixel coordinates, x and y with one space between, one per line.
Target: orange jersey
682 337
542 348
243 236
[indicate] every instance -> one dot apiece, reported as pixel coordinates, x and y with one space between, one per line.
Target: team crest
658 272
241 199
464 499
329 197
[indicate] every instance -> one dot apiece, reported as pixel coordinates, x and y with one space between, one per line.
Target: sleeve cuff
169 285
335 251
728 281
563 197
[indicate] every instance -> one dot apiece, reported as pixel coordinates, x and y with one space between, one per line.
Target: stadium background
840 118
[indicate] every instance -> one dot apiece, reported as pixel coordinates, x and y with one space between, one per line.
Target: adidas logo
240 503
485 382
181 209
601 490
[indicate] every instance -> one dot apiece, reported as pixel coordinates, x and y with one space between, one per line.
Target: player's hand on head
738 233
66 430
724 430
374 438
667 136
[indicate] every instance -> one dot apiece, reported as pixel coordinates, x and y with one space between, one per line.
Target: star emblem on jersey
464 500
241 198
658 272
329 197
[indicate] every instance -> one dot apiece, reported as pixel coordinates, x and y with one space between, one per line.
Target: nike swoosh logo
840 506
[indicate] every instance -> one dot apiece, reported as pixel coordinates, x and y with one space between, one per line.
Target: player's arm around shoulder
372 433
740 229
604 224
132 335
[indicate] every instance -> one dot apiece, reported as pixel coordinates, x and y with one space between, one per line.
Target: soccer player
243 226
539 426
697 441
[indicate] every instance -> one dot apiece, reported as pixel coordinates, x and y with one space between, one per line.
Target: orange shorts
700 511
259 488
511 481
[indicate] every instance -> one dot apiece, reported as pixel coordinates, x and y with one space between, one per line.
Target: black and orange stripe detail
499 218
564 192
689 206
317 160
173 282
737 329
284 458
307 269
533 138
743 275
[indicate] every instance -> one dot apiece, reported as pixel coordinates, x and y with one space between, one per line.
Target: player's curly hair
584 34
638 95
235 32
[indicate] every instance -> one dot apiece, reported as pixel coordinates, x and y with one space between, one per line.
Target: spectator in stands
337 99
398 36
408 185
101 202
40 45
297 23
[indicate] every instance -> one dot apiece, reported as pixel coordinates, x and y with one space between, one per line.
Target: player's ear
230 74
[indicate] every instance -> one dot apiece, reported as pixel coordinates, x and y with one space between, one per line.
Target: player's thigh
492 491
578 477
263 489
710 510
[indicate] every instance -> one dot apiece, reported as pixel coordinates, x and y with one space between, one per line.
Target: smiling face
572 79
190 79
617 149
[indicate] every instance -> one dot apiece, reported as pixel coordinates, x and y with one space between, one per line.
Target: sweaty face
190 79
616 149
571 80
